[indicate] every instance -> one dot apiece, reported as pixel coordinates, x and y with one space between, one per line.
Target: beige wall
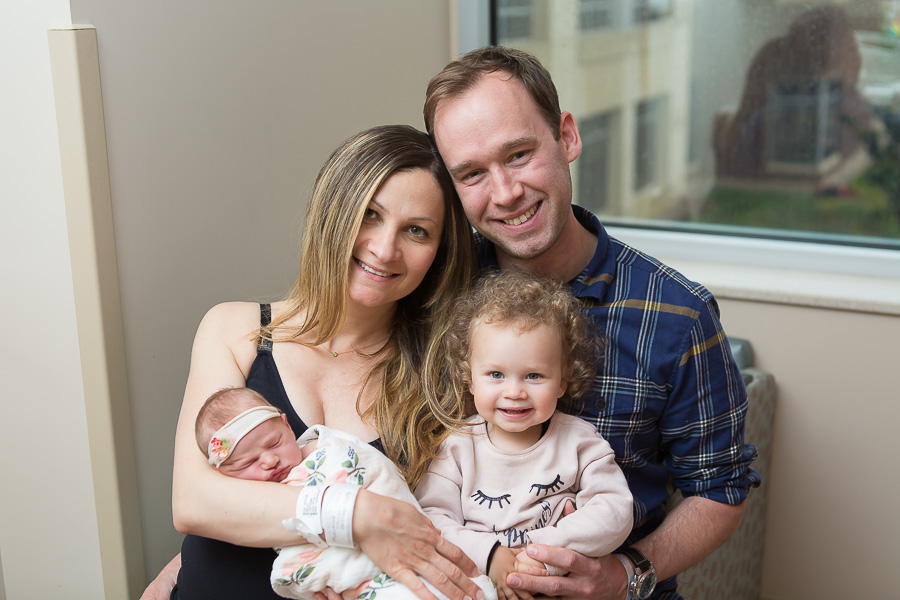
48 522
831 531
218 118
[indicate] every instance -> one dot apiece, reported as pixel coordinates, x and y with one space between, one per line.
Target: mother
385 250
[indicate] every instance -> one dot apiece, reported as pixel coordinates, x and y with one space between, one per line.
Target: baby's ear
284 419
563 386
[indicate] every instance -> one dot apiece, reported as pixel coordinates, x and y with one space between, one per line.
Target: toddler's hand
529 566
502 564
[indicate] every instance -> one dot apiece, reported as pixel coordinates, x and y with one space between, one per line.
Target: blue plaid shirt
669 397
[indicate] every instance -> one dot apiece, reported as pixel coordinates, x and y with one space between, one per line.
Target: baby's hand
502 564
529 566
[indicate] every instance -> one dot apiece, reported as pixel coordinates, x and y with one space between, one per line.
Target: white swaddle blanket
302 570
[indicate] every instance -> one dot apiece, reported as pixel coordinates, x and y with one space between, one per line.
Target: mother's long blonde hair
409 431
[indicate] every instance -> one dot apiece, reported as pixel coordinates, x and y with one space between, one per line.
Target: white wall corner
82 139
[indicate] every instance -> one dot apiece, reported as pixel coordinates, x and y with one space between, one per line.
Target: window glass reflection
779 115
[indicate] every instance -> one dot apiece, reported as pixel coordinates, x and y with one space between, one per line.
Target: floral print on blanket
370 592
298 567
311 472
303 569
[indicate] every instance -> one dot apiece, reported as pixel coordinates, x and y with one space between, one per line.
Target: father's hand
601 578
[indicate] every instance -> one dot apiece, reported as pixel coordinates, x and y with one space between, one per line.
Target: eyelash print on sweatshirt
547 488
481 498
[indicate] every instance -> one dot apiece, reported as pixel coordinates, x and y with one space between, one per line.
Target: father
670 398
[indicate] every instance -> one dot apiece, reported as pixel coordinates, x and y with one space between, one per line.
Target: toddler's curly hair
526 302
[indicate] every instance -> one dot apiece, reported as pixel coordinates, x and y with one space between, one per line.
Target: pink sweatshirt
478 494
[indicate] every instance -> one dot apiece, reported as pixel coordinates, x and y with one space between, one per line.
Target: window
648 145
596 14
596 163
775 118
606 14
646 11
514 19
802 125
695 139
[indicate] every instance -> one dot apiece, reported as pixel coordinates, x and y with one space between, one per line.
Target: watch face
645 584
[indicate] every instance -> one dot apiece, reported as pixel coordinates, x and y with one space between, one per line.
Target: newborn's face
267 453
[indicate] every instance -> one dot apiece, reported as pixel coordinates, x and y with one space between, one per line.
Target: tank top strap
264 345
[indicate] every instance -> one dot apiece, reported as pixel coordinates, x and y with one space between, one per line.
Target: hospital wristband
337 515
308 514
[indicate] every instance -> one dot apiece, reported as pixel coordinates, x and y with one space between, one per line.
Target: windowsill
793 273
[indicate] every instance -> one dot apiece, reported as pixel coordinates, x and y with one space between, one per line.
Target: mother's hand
405 545
601 578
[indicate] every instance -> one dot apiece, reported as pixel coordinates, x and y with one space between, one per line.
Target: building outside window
597 14
608 14
648 146
514 19
596 164
802 124
646 11
767 116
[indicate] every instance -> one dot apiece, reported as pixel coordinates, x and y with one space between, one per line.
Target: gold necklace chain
336 354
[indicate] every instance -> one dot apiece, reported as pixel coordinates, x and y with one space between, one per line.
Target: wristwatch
641 574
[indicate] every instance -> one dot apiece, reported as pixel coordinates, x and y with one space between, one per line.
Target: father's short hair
463 73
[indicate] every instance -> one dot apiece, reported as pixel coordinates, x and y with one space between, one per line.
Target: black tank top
219 570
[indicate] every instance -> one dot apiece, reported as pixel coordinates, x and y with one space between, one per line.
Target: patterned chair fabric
734 570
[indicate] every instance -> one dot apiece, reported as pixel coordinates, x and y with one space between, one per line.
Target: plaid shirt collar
601 266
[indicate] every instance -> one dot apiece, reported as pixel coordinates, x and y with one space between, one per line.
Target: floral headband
226 438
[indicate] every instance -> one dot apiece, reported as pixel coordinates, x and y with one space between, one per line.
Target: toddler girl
524 352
